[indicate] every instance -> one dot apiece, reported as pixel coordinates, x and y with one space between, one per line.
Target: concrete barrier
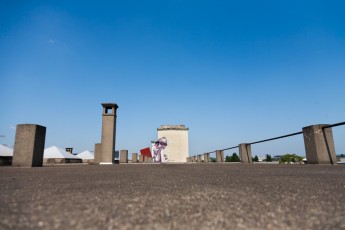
245 153
141 159
220 156
98 152
134 157
123 156
198 157
29 145
319 144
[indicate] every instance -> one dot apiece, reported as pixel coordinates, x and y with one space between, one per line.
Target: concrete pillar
319 145
194 159
245 153
97 151
199 159
141 158
29 145
149 160
206 157
123 156
108 132
220 156
134 157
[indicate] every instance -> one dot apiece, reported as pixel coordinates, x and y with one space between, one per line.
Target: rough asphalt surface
173 196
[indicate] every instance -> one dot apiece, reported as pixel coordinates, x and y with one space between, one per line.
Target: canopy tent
58 155
5 151
86 155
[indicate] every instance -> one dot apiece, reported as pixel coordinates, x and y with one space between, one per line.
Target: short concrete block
98 152
206 158
245 153
123 156
199 158
134 157
29 145
319 145
141 158
220 156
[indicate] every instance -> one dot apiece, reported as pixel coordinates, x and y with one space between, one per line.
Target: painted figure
158 150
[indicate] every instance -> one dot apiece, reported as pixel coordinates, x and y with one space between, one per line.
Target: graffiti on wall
158 150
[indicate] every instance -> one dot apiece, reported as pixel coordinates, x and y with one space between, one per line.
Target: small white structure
58 155
6 155
86 156
177 149
5 151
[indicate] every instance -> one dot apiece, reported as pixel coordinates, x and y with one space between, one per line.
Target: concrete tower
108 132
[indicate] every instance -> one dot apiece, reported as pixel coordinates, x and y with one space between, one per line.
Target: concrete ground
173 196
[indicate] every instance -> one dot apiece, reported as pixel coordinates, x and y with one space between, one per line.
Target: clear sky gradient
231 71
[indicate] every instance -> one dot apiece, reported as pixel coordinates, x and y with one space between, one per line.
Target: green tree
228 159
291 158
233 158
256 159
213 159
268 158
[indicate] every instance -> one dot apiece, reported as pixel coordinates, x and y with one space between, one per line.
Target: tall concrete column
319 145
29 145
245 153
108 132
220 156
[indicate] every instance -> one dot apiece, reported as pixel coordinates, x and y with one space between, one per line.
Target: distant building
177 149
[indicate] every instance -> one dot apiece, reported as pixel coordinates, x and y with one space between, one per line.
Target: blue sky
231 71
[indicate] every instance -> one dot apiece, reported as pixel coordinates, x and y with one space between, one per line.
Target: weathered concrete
206 158
98 152
134 157
220 156
245 153
173 196
319 145
146 159
141 159
149 160
108 132
29 145
123 156
198 157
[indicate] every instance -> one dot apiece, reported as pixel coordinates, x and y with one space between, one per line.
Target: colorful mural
158 150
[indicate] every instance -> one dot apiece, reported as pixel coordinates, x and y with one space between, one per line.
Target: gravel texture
173 196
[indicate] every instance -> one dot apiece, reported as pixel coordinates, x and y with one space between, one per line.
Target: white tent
5 151
56 152
86 155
